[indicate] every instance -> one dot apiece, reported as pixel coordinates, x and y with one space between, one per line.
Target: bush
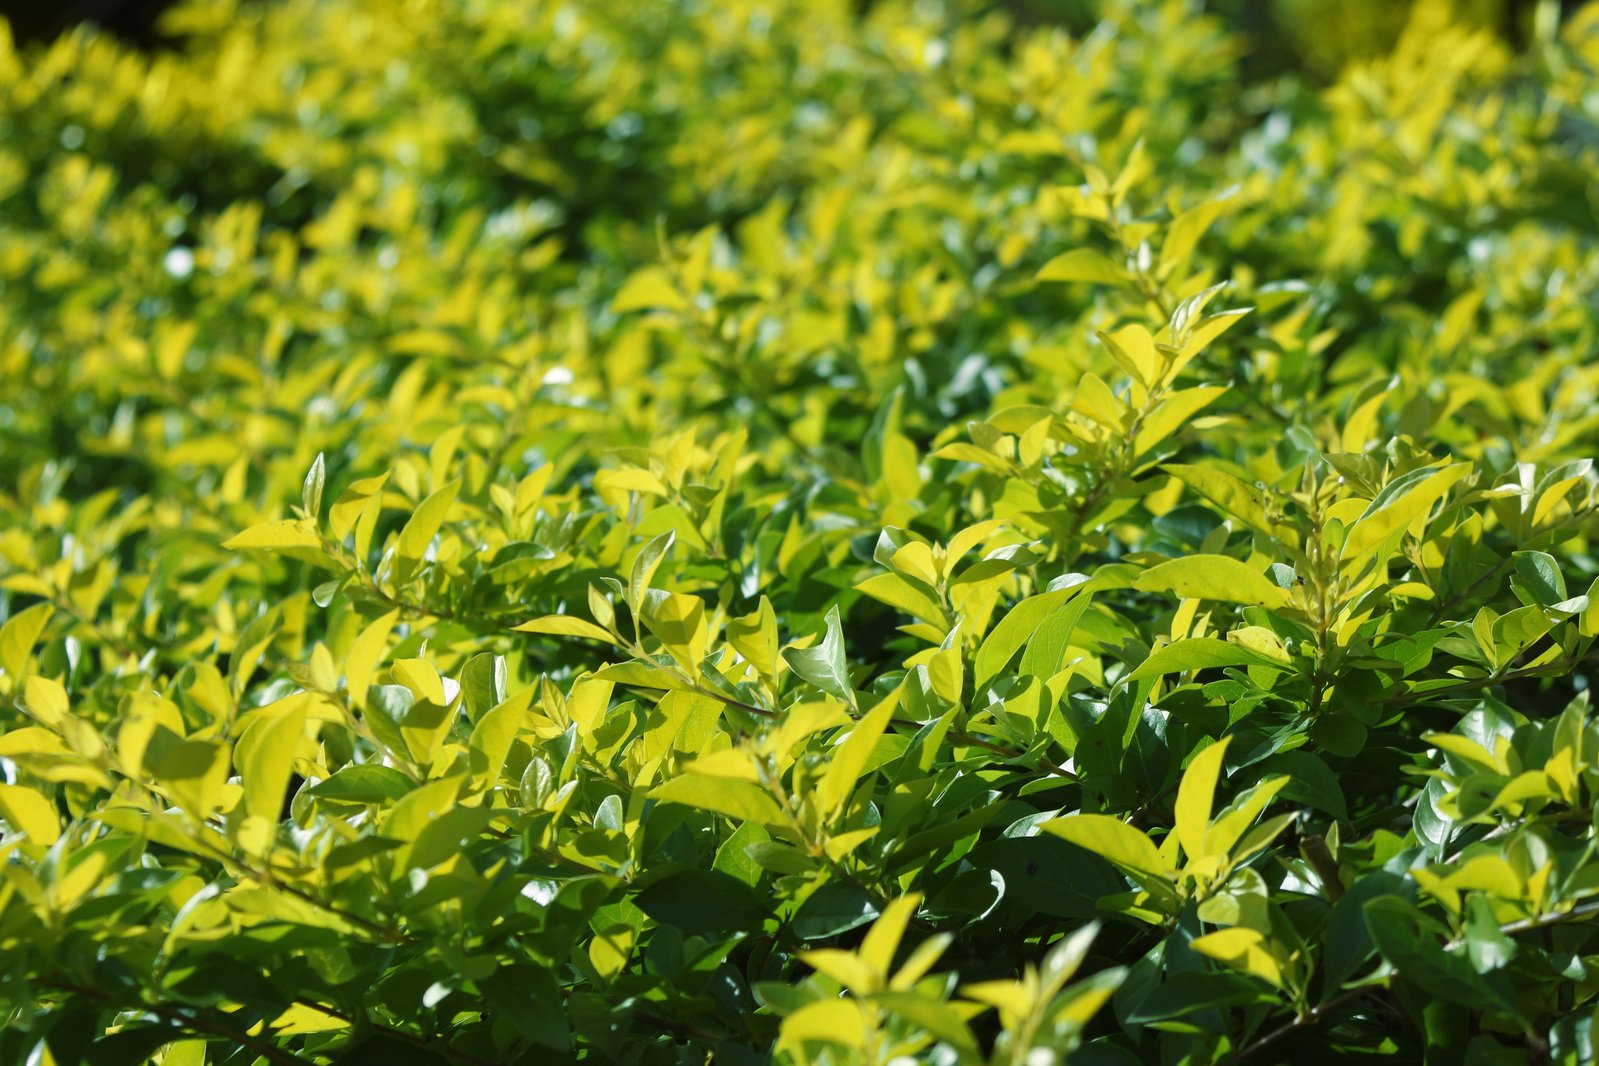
769 531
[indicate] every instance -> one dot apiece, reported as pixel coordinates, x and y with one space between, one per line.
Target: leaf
1186 229
419 676
1083 264
644 567
849 759
1232 495
1198 653
1263 641
1134 349
192 772
1012 632
276 536
646 289
740 800
46 700
1400 934
824 665
365 654
703 903
905 595
1537 578
18 636
629 479
27 811
564 625
1399 506
1112 839
492 737
882 939
483 681
733 856
265 757
1173 413
1487 946
420 529
835 908
1212 577
1047 646
363 784
1195 795
1226 828
831 1021
1310 781
311 489
362 497
754 636
1243 949
678 622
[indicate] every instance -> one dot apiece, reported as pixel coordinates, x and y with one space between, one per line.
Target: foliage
647 532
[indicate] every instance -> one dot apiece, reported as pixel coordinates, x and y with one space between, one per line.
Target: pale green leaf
824 665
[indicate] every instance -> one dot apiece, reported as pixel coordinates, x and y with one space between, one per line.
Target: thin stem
955 735
1475 683
1310 1017
408 1037
193 1022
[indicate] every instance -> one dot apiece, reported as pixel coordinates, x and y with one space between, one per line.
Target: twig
197 1023
1310 1017
408 1037
955 735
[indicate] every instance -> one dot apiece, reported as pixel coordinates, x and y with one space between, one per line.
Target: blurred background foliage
1319 37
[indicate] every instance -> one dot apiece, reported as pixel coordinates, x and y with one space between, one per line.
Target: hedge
796 531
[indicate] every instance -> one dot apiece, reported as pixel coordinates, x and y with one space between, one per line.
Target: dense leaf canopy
798 531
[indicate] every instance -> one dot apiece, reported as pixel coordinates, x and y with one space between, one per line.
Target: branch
196 1023
1310 1017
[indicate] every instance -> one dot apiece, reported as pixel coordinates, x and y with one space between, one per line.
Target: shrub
771 531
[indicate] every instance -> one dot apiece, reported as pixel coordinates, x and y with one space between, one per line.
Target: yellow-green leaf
754 636
882 939
563 625
740 800
421 678
1083 264
849 757
423 526
678 622
1195 795
1243 949
27 811
1393 511
651 287
19 635
1212 577
1231 494
365 654
46 700
1112 839
265 756
905 595
289 533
